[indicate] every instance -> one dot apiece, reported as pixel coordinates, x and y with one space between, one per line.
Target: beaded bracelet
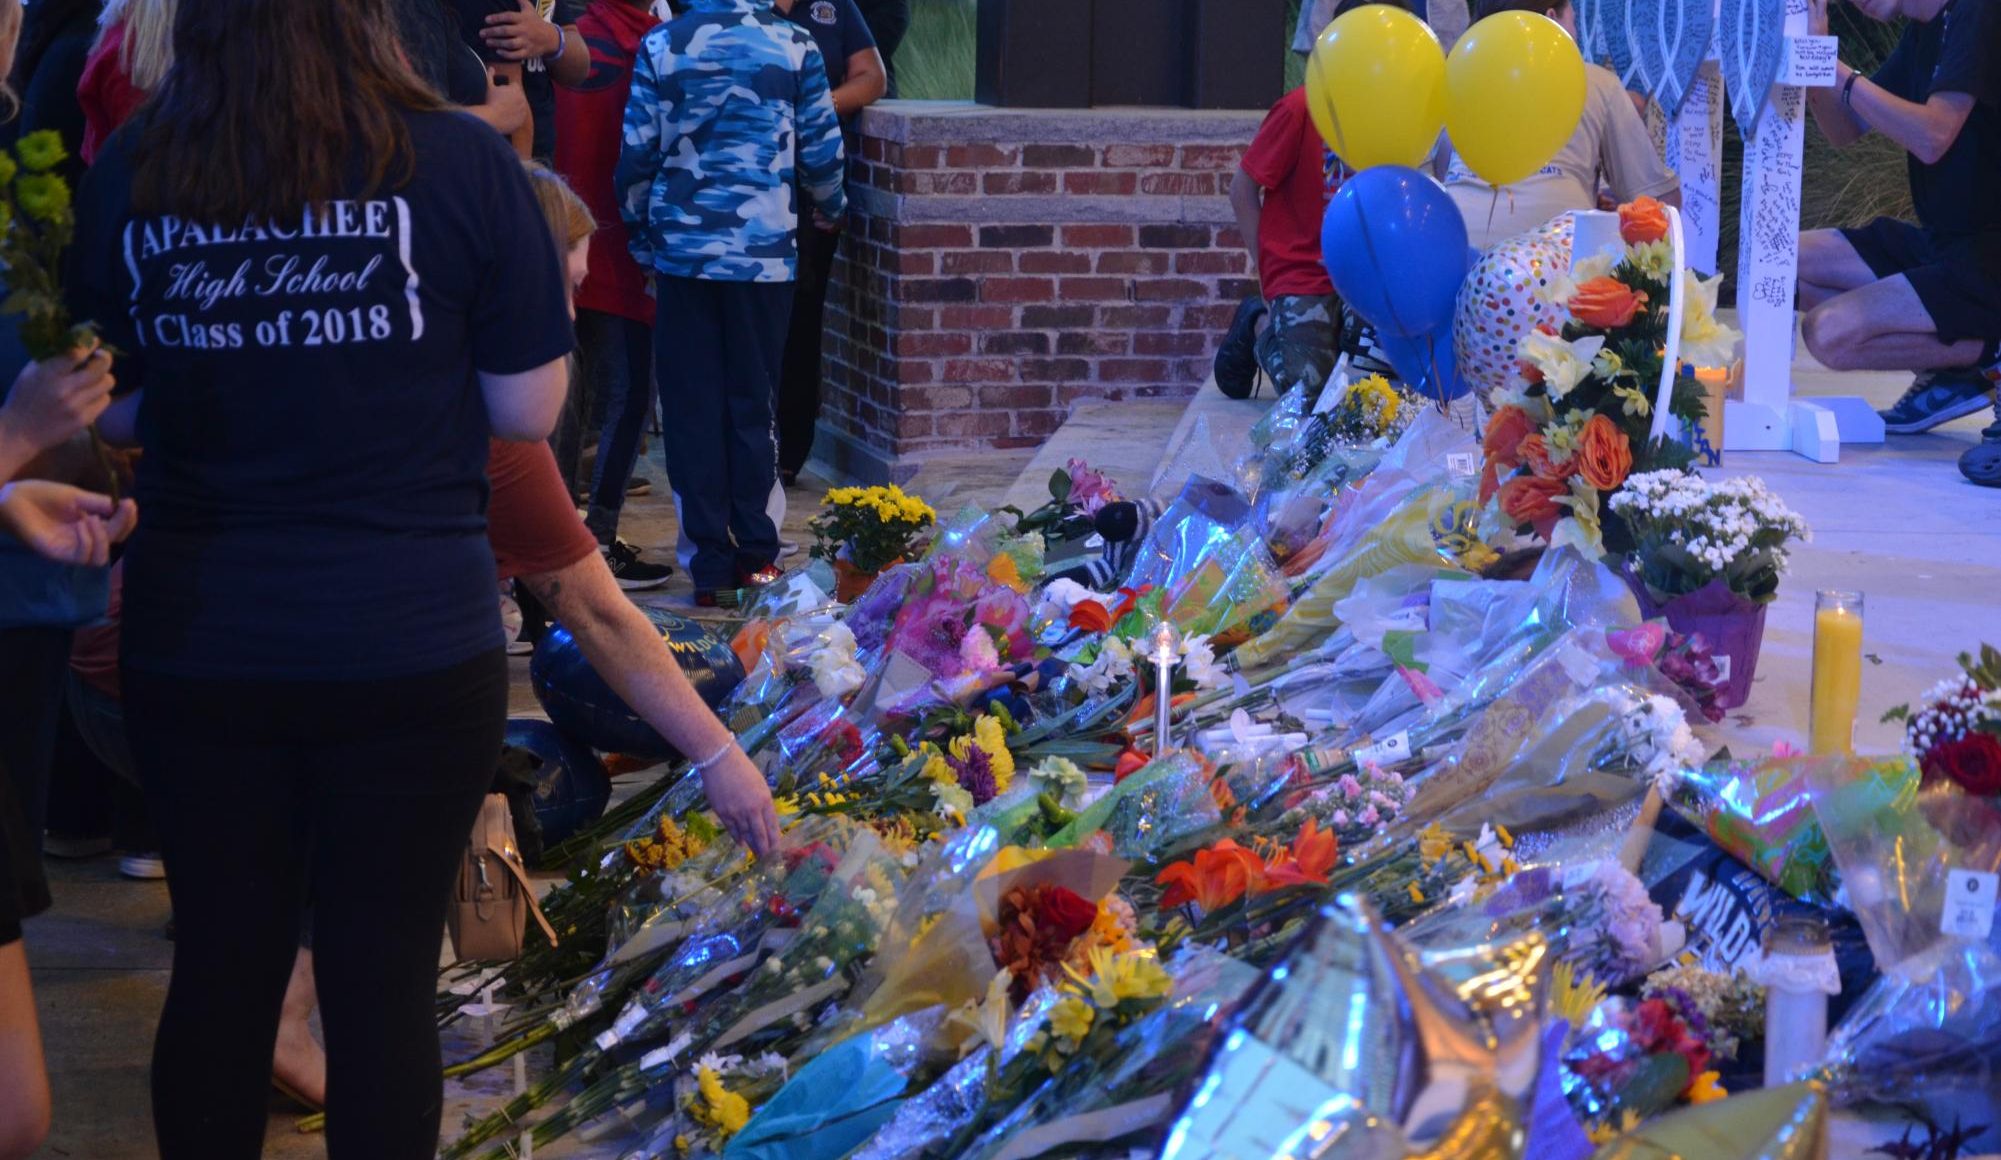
712 758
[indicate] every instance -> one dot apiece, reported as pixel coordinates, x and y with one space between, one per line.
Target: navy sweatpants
718 347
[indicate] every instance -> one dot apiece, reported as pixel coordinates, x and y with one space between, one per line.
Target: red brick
919 237
1095 236
1169 290
1015 343
1017 395
1178 237
1178 184
1229 238
1095 290
944 183
1127 318
935 398
979 370
1132 370
1070 393
914 262
909 426
1138 156
1003 184
1016 237
1133 262
976 262
939 290
976 318
971 424
899 317
1055 370
932 344
915 156
1211 157
1211 262
980 156
1236 289
1093 342
1055 262
1057 317
1038 423
915 371
872 148
1058 156
1213 317
1170 342
1018 290
1118 184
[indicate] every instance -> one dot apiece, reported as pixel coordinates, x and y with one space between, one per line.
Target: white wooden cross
1768 418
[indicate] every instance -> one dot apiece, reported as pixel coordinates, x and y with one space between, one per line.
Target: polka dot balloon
1501 301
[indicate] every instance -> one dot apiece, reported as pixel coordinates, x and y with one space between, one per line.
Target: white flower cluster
1718 523
1949 711
835 671
770 1063
1656 737
1114 663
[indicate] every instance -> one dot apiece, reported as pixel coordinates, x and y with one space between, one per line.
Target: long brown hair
272 105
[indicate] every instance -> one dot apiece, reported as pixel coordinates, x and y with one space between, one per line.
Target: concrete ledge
968 122
1138 209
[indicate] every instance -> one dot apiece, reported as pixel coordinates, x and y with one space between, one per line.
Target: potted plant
865 530
1708 556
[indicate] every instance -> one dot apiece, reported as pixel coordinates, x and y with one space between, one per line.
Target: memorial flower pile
1687 531
1955 731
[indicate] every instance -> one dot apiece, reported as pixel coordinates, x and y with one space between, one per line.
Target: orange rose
1604 456
1642 221
1525 499
1535 453
1505 432
1606 303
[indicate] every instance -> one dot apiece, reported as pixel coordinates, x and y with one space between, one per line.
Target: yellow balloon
1375 86
1514 90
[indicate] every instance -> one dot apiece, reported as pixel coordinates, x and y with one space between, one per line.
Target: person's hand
506 104
521 35
66 524
742 801
1816 17
54 399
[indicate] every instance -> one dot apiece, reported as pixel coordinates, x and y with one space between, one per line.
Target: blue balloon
571 787
581 704
1427 364
1395 246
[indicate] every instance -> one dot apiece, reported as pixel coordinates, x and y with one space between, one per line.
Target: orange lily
1091 616
1311 858
1217 877
1130 762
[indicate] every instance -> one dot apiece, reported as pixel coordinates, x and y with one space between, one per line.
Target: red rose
1525 499
1973 763
1641 221
1606 303
1065 913
1604 454
1505 432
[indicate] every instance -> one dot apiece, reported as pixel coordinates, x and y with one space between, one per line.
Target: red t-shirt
590 128
105 92
1298 173
531 523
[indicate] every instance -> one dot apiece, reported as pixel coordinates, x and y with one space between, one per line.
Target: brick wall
1002 265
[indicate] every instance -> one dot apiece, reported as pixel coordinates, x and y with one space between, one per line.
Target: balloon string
1368 240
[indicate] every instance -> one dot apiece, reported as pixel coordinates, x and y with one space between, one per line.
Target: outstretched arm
822 161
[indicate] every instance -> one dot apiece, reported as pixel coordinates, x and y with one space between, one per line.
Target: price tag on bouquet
1391 750
1969 903
1464 464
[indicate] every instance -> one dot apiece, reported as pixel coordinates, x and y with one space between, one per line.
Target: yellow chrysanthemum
992 736
1708 1087
1434 843
42 196
1070 1019
41 151
1003 571
936 770
1573 996
722 1109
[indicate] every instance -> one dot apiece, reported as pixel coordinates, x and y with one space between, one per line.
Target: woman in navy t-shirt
331 291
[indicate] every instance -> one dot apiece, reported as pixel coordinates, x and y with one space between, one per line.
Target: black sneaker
1937 397
1237 356
1981 462
632 573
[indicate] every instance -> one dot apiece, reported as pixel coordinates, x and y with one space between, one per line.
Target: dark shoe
788 478
632 573
708 598
1981 462
1937 397
71 848
1237 355
638 485
763 577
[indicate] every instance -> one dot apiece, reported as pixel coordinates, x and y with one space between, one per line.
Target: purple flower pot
1733 625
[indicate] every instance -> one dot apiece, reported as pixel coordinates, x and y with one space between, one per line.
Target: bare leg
1882 326
299 1063
1829 266
24 1080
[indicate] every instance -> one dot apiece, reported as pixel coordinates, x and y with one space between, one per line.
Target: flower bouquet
1708 557
1077 493
866 529
1583 417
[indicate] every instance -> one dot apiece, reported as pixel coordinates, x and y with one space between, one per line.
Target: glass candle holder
1799 972
1837 673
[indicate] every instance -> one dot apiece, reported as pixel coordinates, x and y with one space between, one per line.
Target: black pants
799 381
717 351
616 355
33 665
364 794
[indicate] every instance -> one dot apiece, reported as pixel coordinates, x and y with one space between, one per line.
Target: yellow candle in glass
1837 672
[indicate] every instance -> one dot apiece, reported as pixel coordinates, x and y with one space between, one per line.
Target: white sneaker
143 867
787 549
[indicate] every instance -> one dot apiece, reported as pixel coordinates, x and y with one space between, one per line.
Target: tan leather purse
493 899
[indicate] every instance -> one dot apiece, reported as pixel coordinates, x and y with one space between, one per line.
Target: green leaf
1059 485
1655 1085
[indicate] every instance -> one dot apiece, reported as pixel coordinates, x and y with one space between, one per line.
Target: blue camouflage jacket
729 111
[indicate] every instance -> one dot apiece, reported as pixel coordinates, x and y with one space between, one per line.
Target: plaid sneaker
1937 397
